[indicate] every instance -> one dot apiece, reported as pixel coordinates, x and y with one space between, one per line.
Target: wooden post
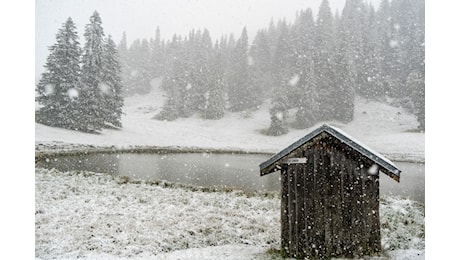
284 212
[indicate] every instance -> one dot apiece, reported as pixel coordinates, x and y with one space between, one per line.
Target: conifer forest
310 69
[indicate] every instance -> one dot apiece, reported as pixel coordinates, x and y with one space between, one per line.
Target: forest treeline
310 69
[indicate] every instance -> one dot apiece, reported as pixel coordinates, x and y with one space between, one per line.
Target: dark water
240 171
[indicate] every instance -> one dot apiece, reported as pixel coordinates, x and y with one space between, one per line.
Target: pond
222 170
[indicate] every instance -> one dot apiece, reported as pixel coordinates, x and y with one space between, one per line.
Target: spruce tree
261 67
175 83
59 86
214 97
241 92
278 112
157 55
416 88
124 64
324 61
306 94
111 93
92 117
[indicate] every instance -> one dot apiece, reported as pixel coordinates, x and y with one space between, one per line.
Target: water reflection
240 171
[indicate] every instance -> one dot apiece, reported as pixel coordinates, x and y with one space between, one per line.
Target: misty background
139 18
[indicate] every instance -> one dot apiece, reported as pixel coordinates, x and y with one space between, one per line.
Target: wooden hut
329 195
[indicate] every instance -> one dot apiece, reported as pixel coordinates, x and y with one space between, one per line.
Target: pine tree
140 67
111 93
241 92
306 94
371 65
261 66
214 97
385 46
278 112
59 86
283 56
175 83
416 88
92 76
157 55
124 64
324 61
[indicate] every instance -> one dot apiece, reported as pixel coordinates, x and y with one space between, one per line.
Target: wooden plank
367 229
319 203
346 205
358 213
292 208
309 204
284 212
336 209
375 219
351 200
327 206
318 236
300 199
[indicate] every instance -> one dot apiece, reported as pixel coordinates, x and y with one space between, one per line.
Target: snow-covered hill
386 129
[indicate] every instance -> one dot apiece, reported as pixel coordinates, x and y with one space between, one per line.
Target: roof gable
386 165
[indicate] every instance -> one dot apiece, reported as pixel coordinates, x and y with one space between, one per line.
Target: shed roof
386 165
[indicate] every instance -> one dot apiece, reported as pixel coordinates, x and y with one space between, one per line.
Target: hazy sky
139 18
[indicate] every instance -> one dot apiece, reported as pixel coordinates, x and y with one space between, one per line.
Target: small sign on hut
329 195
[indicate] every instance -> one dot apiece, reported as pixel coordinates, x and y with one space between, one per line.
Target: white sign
296 160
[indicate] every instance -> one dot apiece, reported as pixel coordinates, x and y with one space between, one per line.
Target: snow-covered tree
324 61
157 57
278 112
124 64
214 97
303 83
241 92
111 82
91 105
283 56
416 87
59 86
261 66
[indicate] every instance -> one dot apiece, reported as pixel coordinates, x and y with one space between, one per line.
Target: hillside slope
384 128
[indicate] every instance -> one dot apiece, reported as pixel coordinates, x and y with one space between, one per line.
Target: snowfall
89 215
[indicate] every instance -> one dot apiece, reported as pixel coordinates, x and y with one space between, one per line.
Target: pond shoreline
43 151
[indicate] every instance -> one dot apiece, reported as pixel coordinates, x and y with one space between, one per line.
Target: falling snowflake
396 26
104 88
294 80
250 61
134 73
373 170
49 89
73 93
394 43
188 87
227 165
279 116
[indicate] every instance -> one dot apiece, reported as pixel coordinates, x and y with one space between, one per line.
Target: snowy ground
386 129
89 215
97 216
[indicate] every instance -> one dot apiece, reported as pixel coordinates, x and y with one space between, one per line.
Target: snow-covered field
97 216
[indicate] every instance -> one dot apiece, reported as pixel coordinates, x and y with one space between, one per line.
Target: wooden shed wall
329 206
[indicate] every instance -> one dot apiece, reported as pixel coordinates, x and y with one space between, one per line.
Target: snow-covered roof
386 165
